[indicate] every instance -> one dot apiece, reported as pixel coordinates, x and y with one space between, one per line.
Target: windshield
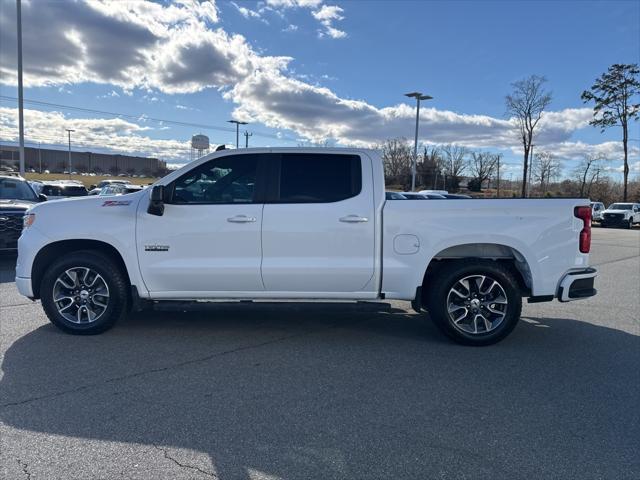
11 189
621 206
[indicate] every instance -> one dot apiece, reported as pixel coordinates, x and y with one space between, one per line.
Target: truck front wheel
474 301
84 293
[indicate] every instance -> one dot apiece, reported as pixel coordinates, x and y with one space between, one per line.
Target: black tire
630 224
114 278
443 280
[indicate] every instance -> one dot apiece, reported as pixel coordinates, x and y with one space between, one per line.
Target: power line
141 117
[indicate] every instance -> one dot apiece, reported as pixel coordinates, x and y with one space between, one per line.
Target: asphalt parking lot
302 391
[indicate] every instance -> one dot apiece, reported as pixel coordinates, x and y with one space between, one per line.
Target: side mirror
156 203
42 197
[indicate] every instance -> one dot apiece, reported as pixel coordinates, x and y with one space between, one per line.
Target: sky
143 77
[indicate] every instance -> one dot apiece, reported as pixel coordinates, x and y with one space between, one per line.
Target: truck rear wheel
84 293
474 302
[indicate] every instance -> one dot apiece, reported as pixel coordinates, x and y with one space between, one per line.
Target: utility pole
40 156
20 89
530 169
246 138
498 193
69 132
238 123
418 96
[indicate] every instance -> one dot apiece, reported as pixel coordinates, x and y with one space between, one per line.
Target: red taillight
584 213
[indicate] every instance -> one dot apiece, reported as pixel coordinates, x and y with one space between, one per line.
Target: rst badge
156 248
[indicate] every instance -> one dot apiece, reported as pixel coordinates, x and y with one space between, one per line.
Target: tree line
454 167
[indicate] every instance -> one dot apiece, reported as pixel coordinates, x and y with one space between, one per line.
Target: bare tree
454 163
482 166
588 172
612 94
545 169
429 166
525 105
397 156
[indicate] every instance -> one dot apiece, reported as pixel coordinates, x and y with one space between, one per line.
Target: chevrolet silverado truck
302 224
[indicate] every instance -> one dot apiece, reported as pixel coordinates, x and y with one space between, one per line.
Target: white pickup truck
302 224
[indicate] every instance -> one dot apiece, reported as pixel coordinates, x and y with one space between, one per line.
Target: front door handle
354 219
241 219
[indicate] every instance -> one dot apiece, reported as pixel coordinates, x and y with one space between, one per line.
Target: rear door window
318 178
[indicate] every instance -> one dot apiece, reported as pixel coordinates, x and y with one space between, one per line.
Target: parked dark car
64 190
16 197
455 196
422 196
394 196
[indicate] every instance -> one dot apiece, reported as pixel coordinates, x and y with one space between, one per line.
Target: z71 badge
116 203
156 248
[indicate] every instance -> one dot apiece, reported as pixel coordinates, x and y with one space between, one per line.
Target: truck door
208 239
318 225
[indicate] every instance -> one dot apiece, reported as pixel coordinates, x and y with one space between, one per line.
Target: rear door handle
354 219
241 219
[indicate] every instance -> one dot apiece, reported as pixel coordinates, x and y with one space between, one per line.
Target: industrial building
57 161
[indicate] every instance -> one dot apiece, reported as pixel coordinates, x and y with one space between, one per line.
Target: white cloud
325 14
113 134
293 3
248 13
179 48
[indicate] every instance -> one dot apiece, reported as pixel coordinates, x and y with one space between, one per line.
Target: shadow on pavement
7 267
338 391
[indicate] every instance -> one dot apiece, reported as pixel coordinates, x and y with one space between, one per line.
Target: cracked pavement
345 391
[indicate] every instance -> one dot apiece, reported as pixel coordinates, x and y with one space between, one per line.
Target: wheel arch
505 254
54 250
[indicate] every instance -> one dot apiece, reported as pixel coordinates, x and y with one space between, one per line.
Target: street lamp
418 96
69 132
238 123
20 89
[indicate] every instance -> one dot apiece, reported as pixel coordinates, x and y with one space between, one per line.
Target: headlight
28 220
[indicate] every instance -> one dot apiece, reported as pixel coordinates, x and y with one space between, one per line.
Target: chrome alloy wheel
477 304
80 295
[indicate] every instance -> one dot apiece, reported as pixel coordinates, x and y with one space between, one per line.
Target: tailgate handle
354 219
241 219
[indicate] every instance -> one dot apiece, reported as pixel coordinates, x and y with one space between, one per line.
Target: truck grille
614 216
10 229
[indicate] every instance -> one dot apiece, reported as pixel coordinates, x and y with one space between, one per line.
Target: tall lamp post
418 96
69 132
20 90
238 123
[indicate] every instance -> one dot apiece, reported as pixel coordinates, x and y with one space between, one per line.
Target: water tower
199 146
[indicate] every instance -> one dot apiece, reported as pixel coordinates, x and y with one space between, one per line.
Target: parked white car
621 215
597 209
302 224
104 183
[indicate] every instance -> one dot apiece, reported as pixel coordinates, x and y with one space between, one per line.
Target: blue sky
314 70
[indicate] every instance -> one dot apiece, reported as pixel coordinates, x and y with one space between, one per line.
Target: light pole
69 132
498 193
238 123
530 168
20 93
418 96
